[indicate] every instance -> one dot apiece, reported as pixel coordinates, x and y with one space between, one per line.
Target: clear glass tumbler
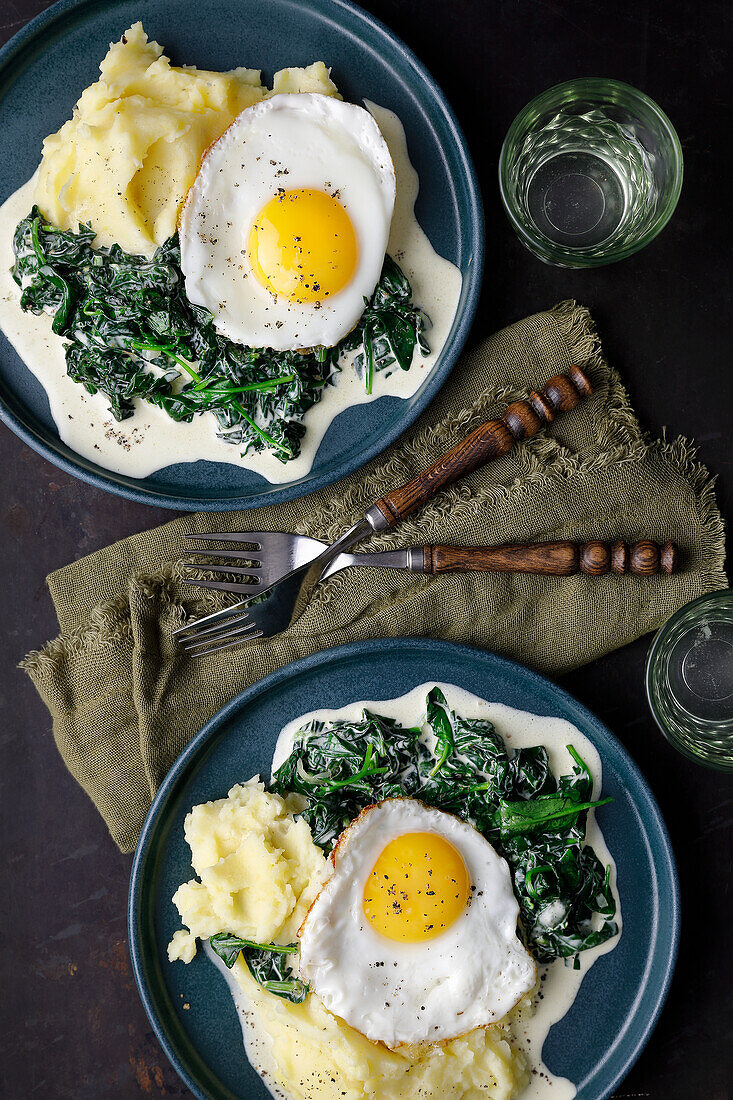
590 172
689 680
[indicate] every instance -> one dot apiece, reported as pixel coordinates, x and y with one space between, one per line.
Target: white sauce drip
559 983
257 1042
150 440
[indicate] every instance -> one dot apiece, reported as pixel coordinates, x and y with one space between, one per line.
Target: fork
283 603
268 555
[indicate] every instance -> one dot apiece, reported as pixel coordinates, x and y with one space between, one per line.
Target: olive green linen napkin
125 701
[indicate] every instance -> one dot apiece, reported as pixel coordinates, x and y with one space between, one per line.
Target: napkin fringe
108 625
682 454
619 427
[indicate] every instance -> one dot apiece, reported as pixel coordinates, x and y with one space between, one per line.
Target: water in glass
586 179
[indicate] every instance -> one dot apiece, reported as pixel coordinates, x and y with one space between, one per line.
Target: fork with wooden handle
266 555
289 596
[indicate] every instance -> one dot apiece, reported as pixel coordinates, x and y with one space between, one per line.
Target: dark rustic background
71 1021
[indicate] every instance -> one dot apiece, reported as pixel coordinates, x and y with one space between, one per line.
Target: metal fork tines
205 647
267 556
280 559
229 629
249 587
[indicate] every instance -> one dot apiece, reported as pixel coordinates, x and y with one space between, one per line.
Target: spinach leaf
462 766
134 336
267 963
547 811
531 774
343 767
389 327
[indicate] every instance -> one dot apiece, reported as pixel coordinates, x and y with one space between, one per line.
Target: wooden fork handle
521 420
559 559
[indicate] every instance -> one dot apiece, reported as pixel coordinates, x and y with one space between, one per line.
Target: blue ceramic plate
623 992
46 66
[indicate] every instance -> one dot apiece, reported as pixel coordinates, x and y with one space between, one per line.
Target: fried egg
285 228
413 938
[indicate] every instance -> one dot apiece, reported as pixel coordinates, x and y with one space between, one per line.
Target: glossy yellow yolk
302 245
417 888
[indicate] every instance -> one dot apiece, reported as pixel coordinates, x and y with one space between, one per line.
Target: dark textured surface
72 1025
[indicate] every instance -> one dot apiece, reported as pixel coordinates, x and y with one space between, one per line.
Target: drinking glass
590 172
689 680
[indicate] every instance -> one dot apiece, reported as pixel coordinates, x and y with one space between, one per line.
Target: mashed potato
258 873
258 867
317 1055
125 161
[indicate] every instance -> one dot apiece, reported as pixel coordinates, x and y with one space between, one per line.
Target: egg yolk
302 245
417 888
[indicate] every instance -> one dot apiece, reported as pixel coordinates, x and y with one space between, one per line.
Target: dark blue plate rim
651 815
450 352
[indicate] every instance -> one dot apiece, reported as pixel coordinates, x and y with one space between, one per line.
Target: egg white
292 141
469 976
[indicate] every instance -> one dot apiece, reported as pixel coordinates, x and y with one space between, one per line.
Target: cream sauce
150 440
257 1042
559 984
